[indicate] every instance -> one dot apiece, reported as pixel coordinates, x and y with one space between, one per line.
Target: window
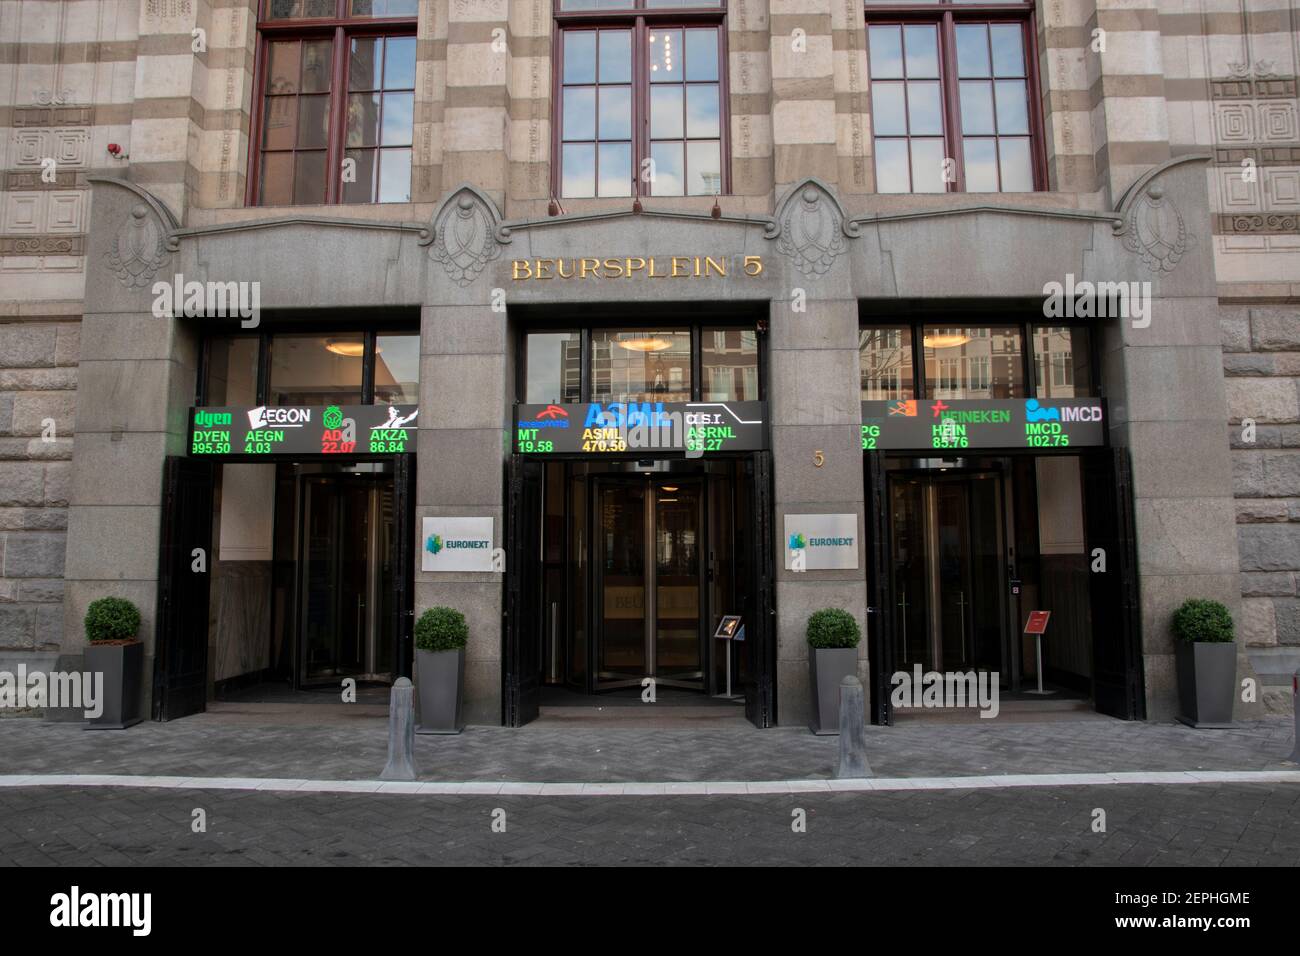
397 369
729 362
972 363
628 364
336 104
640 366
1061 362
951 105
885 357
554 367
312 368
640 99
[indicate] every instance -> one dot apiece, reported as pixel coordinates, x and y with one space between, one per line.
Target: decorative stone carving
465 234
138 249
810 228
1154 229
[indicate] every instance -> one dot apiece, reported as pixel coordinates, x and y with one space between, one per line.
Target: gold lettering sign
629 267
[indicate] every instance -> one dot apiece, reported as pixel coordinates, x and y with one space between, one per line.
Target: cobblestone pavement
355 749
1203 825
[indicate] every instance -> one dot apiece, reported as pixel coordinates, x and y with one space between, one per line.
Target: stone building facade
127 127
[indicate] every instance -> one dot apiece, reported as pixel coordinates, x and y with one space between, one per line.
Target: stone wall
1262 362
38 381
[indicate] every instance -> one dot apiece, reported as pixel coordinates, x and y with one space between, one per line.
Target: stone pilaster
476 119
803 91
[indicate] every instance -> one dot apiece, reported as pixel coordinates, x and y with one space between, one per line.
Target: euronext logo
434 544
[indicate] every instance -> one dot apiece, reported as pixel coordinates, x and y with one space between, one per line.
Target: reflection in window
973 362
316 369
232 371
885 357
641 366
1061 365
397 369
380 119
554 367
729 364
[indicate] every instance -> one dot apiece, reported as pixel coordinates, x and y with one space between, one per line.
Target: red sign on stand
1037 623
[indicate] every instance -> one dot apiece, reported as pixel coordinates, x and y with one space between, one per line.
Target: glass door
346 580
946 545
622 658
677 654
649 582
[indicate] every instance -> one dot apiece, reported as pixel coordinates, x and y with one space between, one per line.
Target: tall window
951 97
639 98
336 108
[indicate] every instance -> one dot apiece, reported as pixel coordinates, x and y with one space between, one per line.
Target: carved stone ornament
1155 230
138 249
811 229
465 235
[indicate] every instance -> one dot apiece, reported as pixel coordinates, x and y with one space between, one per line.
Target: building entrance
346 560
639 562
947 570
649 582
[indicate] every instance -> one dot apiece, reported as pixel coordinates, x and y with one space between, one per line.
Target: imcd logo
1037 413
204 419
434 544
1034 412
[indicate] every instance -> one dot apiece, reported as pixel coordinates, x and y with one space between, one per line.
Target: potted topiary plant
833 636
440 637
114 652
1206 660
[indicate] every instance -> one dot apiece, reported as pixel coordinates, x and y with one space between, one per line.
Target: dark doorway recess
962 549
621 570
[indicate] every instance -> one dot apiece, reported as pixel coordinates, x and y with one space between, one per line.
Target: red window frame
947 14
638 18
338 28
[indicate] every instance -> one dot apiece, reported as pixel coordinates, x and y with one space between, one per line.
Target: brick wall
1262 363
38 380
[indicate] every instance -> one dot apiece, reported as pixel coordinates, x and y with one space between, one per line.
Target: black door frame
180 674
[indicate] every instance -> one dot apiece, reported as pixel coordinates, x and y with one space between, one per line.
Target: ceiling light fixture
945 340
645 343
346 347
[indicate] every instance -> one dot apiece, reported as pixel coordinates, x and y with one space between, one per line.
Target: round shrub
441 629
1202 620
833 627
111 619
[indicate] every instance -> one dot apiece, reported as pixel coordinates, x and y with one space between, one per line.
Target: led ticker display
614 428
937 424
303 430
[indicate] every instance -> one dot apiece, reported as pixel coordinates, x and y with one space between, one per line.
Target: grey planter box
439 677
1207 682
827 667
122 666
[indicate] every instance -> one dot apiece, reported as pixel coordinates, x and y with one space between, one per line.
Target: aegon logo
1082 413
263 415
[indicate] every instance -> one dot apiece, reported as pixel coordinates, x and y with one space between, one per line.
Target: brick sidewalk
216 745
1206 825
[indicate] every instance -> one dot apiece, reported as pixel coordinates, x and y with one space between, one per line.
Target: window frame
697 329
339 29
1025 327
637 17
946 14
369 330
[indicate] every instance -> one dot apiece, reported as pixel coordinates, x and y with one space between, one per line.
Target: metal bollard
401 732
1295 707
852 763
